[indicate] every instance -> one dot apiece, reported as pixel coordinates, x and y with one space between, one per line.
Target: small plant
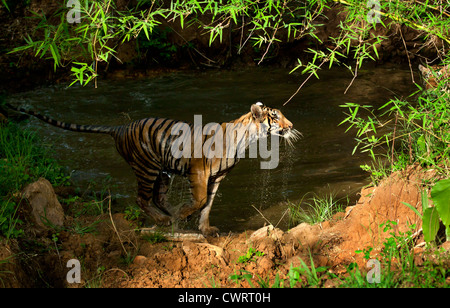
316 210
310 272
155 237
96 281
250 256
242 275
133 213
81 228
9 220
128 258
265 283
397 247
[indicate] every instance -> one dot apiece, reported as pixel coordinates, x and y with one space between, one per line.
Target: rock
267 231
308 235
139 260
45 209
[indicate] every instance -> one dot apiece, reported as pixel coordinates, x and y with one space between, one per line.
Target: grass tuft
316 209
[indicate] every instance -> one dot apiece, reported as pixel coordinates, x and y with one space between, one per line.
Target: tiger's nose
289 124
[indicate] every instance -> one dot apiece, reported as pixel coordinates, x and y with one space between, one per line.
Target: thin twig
354 76
268 47
310 75
303 83
407 55
262 215
114 226
245 42
276 237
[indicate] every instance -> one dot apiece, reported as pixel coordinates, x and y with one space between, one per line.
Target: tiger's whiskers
292 136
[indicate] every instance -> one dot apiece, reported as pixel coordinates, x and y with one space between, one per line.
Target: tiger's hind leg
160 189
198 186
145 194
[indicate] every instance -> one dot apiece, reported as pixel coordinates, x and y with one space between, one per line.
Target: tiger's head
272 121
434 75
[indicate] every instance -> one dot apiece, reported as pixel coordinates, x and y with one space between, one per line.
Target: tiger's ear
257 112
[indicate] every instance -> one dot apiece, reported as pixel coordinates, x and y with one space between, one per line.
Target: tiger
435 76
147 145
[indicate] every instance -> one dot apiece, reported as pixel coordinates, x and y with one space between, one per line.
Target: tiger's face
434 75
272 121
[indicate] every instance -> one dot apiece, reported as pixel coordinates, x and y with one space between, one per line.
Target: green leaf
144 27
440 194
413 209
424 198
430 224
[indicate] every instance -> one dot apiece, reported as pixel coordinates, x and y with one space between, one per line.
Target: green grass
316 209
398 265
22 160
155 237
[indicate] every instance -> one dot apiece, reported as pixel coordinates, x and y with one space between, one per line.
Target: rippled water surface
321 161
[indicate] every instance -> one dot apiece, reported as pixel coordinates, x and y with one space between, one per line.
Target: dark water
321 161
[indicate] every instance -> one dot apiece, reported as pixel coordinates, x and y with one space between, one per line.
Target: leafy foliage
101 28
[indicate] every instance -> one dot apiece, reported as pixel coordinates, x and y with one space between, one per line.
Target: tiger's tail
99 129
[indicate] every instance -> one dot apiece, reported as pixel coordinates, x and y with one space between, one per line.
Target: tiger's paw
210 231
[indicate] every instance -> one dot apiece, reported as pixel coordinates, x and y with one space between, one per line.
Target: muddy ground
113 252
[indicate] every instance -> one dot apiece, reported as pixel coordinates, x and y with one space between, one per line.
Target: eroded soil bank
114 253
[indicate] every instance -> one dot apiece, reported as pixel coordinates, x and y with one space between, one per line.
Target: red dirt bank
211 262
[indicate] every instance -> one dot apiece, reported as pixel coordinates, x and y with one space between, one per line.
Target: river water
321 162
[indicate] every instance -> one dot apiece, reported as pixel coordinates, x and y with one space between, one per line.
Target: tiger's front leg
199 180
204 216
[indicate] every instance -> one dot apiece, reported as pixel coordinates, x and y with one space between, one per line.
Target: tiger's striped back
145 144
